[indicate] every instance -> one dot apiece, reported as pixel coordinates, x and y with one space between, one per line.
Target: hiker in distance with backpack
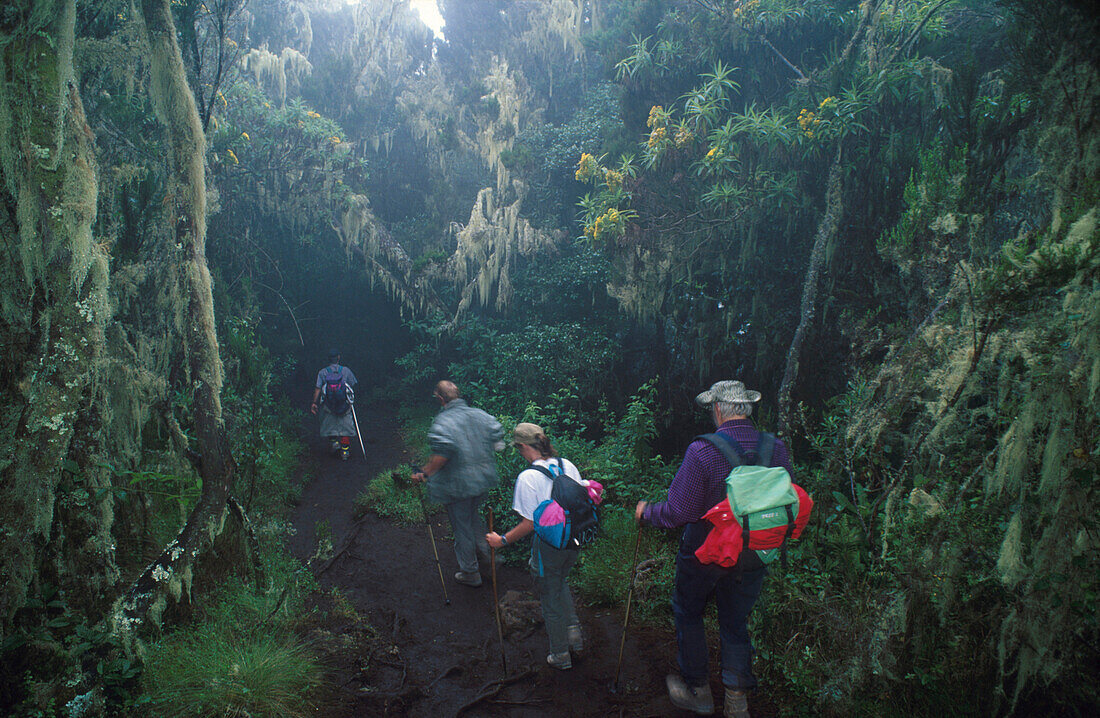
558 507
699 495
333 395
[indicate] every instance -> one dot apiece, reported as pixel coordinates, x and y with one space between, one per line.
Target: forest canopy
882 214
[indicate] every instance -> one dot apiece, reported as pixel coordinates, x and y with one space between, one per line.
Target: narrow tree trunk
185 247
825 230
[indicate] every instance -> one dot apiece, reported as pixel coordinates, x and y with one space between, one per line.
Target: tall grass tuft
392 495
232 663
602 575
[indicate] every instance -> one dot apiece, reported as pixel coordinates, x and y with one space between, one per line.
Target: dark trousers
735 591
550 567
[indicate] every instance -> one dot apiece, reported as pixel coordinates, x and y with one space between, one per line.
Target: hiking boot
576 638
697 699
560 661
468 579
737 704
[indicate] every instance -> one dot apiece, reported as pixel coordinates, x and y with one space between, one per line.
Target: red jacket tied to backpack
723 543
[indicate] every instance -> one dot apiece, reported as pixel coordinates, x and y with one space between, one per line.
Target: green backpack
761 496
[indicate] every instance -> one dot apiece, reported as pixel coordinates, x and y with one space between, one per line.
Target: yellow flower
312 114
233 157
245 135
656 136
586 168
745 8
334 139
613 179
806 120
656 117
683 136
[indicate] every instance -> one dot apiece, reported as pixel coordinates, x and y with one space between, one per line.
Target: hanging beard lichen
995 408
386 260
497 133
54 308
280 76
488 246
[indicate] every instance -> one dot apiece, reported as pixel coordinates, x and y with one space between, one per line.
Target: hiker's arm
316 396
435 463
686 496
519 531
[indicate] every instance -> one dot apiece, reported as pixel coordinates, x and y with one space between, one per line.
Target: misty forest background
882 214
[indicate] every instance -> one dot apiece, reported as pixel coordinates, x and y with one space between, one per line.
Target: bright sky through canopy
429 13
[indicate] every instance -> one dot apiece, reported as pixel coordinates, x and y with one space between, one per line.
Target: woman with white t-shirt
549 565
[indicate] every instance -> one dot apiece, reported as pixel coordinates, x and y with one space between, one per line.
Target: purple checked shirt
700 482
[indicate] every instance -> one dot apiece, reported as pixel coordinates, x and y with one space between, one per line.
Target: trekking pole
496 600
431 534
356 420
626 619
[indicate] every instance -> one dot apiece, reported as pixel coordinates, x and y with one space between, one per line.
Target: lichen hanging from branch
279 76
497 133
386 260
488 246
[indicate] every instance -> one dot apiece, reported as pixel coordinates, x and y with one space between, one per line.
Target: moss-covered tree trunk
825 230
183 241
53 307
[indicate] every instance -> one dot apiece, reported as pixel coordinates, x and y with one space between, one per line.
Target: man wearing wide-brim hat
700 483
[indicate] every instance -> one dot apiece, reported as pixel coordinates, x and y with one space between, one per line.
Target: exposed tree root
343 548
491 689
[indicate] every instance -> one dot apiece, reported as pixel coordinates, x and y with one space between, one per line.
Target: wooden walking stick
626 619
431 535
496 599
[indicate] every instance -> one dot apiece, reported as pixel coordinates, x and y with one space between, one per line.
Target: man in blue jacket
460 472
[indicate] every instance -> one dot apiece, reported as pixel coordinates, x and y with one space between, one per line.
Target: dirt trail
438 659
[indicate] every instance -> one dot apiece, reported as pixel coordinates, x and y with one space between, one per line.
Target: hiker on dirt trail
460 472
549 565
333 396
700 484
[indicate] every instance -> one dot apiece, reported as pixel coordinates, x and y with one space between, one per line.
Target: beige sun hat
733 392
527 433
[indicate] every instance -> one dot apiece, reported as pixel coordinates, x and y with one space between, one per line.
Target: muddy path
421 657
